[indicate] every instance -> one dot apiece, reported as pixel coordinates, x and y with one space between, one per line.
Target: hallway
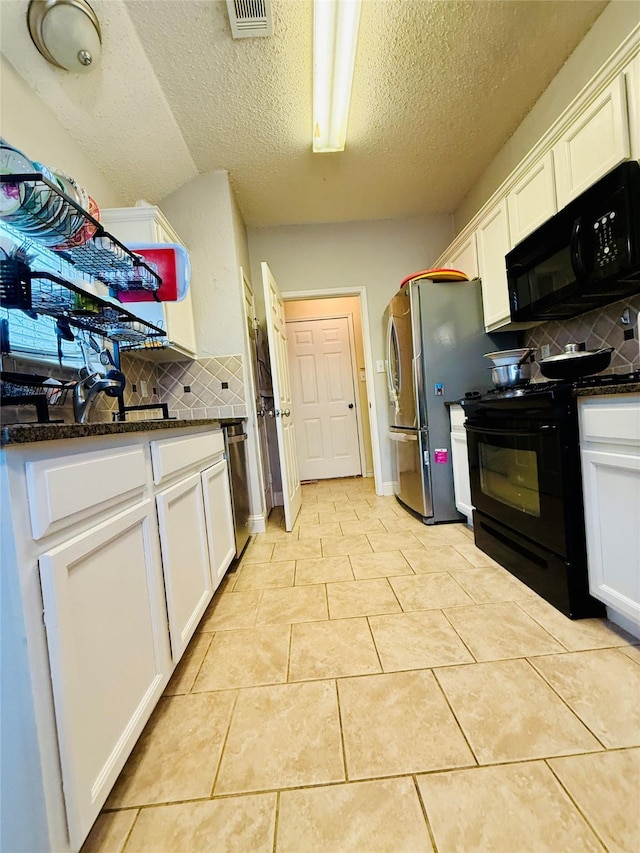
369 683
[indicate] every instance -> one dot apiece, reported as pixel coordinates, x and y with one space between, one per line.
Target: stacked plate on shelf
41 210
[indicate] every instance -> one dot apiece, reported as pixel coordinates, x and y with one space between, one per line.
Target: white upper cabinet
149 225
595 142
532 200
492 237
462 255
632 79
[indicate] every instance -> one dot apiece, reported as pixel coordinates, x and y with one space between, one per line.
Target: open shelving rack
49 216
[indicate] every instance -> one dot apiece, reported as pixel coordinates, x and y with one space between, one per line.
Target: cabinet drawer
611 421
172 455
69 488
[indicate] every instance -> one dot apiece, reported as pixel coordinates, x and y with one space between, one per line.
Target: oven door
516 479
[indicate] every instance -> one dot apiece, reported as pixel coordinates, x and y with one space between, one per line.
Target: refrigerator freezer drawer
412 486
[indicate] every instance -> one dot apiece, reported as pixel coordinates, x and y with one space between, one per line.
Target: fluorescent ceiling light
335 34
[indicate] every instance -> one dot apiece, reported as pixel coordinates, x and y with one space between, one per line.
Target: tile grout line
455 716
375 646
340 726
131 828
276 822
424 813
562 699
224 744
573 802
453 627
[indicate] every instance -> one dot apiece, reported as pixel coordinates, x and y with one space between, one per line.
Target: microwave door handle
575 248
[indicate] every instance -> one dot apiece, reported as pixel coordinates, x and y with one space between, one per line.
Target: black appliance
586 255
235 437
526 487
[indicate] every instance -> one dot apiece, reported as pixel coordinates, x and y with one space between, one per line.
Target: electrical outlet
143 388
544 351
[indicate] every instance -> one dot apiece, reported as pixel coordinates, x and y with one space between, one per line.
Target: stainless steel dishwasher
235 439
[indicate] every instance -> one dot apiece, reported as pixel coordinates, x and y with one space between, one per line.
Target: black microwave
585 256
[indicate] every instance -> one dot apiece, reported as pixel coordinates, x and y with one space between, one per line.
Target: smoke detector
250 18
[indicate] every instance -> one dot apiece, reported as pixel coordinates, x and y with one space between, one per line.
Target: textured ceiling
438 89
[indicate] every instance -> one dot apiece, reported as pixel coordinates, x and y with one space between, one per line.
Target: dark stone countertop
11 434
606 390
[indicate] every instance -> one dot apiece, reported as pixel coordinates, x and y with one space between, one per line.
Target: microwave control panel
606 246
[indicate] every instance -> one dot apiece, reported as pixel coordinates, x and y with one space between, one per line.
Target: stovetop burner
597 381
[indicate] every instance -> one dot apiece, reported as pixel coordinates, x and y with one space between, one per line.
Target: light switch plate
544 351
379 366
143 388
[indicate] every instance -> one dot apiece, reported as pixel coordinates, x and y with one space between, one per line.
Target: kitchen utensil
574 363
508 356
511 375
116 376
436 275
63 329
107 358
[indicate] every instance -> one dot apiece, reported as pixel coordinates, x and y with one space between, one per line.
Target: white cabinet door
532 200
632 78
492 237
219 516
460 463
462 255
596 141
107 638
148 225
185 559
612 514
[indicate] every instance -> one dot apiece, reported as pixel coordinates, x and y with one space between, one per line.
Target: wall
297 309
375 255
29 124
609 31
201 212
597 329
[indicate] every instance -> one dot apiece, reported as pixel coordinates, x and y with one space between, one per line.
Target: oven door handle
523 432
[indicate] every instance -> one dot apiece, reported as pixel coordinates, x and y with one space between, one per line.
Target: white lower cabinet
185 559
610 453
108 651
219 518
460 463
123 578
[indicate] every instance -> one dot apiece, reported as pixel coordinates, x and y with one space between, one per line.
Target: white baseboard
623 621
257 523
387 488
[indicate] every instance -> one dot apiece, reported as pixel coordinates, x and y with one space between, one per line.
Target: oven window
510 476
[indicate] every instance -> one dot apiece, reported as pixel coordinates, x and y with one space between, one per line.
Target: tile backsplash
597 329
166 383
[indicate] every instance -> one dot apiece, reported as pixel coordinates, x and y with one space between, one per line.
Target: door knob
261 412
271 413
351 405
286 413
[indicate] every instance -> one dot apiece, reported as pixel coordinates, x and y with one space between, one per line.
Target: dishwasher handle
236 439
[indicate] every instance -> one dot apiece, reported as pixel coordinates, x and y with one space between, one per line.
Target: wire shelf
59 298
43 212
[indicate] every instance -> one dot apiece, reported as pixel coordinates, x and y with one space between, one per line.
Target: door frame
361 293
354 373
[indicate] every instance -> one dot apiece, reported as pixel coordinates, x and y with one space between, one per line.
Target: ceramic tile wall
206 397
597 329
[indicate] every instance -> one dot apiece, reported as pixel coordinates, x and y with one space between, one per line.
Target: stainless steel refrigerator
435 347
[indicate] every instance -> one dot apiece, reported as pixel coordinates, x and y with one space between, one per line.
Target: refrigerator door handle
393 391
403 436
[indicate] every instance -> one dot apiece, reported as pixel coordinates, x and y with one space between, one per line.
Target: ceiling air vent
250 18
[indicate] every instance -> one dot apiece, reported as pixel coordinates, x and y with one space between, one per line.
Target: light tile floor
367 683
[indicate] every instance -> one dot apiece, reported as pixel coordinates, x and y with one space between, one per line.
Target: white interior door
285 428
322 388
